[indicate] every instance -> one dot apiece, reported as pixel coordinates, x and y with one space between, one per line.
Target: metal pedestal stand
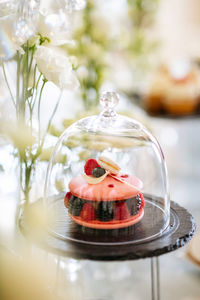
155 279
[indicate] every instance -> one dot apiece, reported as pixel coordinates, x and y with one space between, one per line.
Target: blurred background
149 52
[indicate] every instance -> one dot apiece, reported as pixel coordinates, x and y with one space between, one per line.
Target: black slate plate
178 233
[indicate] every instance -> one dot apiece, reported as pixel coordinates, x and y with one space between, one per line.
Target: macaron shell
108 165
109 189
110 224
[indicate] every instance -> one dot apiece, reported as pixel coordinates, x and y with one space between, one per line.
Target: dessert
104 197
155 96
173 90
182 96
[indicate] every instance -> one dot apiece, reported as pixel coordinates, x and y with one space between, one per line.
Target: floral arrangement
92 44
46 43
36 34
106 43
141 13
139 46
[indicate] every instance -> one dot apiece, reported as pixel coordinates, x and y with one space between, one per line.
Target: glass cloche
106 181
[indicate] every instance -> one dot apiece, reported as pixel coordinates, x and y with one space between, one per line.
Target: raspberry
88 212
67 198
90 165
121 211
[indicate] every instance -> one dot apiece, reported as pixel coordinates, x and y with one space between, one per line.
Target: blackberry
70 203
98 172
105 211
76 205
139 201
134 205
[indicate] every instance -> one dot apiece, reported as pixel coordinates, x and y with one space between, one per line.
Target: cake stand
164 226
178 233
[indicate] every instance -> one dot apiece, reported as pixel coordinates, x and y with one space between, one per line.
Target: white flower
56 67
82 72
8 44
55 26
15 30
65 5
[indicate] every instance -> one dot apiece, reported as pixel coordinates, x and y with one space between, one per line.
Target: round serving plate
84 246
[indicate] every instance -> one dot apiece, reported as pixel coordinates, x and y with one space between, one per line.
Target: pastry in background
174 90
182 96
156 92
153 100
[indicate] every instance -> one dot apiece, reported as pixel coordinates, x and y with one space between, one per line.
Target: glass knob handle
109 101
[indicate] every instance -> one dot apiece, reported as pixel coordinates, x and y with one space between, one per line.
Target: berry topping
111 185
67 198
90 165
98 172
75 205
124 176
134 205
105 211
142 199
121 211
88 212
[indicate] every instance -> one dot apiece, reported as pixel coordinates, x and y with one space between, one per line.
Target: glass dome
107 181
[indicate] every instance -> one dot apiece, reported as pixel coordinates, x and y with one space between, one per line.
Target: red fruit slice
88 212
142 199
67 198
90 165
121 211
